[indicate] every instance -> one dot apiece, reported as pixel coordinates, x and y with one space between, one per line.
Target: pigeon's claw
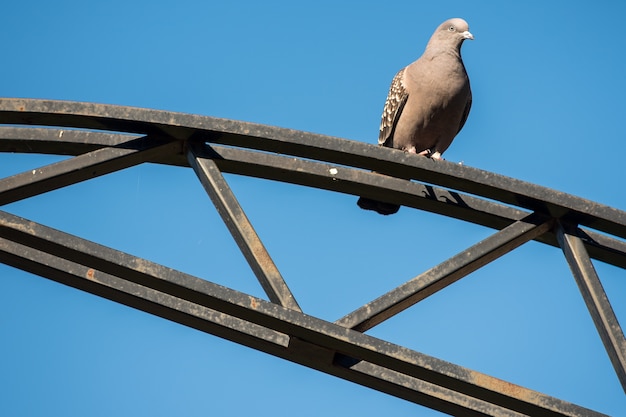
436 155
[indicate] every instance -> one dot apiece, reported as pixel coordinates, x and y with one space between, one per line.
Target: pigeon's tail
378 206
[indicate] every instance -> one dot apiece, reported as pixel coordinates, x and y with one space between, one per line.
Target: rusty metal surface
120 137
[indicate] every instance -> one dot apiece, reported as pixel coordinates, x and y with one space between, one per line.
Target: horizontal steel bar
446 273
315 174
20 139
242 230
314 146
596 300
53 254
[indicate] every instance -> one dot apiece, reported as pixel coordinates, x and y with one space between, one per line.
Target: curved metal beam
314 146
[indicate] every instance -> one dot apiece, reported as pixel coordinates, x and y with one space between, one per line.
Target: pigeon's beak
467 35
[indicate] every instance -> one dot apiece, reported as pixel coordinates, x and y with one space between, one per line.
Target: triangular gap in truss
510 311
162 204
447 272
241 229
319 256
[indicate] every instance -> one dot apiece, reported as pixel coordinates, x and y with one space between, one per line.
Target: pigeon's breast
436 103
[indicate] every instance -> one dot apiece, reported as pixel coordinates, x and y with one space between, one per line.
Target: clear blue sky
549 84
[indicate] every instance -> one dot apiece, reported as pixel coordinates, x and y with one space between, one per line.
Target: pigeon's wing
466 111
396 99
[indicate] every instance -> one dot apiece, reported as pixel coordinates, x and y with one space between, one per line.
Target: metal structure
104 139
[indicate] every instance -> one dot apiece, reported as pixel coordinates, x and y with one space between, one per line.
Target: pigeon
428 101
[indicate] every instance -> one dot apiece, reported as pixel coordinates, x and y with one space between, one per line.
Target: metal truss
103 139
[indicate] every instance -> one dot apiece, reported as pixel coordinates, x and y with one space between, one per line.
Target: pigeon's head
452 32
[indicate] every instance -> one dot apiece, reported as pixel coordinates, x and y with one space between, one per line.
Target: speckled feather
393 108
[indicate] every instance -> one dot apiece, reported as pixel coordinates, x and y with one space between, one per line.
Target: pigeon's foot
428 153
412 149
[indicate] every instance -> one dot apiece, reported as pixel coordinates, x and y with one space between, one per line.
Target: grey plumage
428 101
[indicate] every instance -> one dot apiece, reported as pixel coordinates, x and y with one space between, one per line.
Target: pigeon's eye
451 28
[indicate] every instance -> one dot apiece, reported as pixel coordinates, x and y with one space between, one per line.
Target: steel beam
595 298
446 273
242 230
313 146
212 308
55 141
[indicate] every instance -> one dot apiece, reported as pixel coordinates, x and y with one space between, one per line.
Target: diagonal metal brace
241 229
83 167
595 297
447 273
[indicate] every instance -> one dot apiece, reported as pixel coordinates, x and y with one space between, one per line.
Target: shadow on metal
104 139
